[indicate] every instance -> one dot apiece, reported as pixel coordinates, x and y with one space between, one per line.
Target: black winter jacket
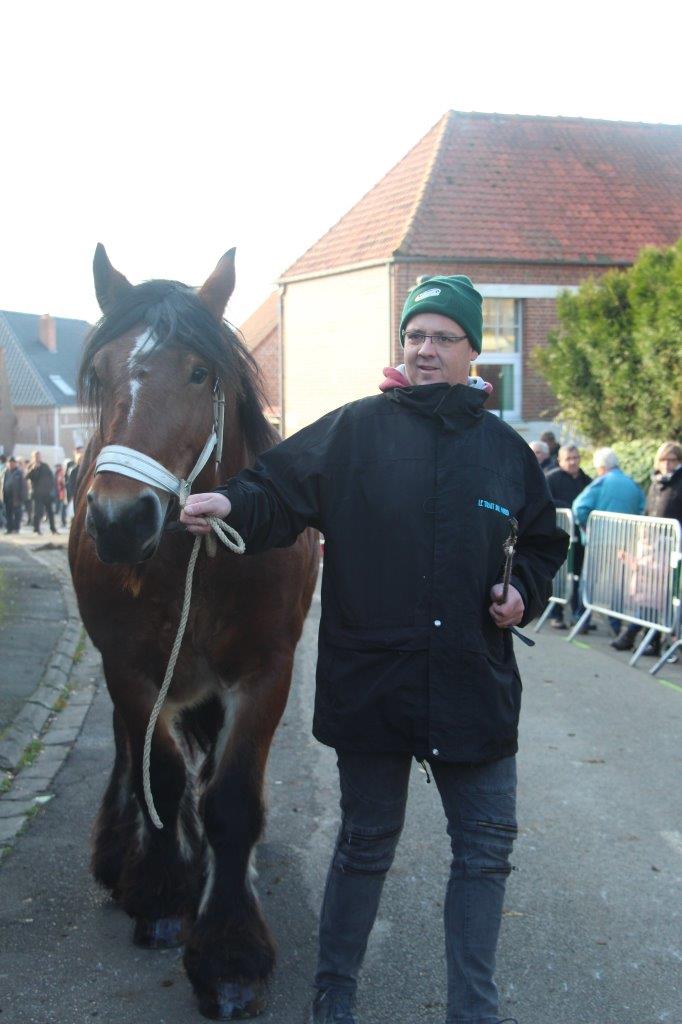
41 479
565 488
12 486
413 490
664 497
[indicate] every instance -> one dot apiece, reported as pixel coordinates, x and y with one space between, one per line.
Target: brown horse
149 374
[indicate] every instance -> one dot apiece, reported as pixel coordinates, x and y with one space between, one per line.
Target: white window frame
514 359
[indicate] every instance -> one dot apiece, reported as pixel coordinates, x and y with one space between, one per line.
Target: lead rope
231 539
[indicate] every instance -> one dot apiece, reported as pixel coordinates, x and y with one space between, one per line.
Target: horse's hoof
158 932
232 1000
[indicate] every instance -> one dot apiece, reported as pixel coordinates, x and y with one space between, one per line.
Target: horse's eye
199 375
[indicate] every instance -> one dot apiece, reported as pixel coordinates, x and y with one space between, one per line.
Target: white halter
117 458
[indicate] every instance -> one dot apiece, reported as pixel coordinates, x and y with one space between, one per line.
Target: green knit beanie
454 297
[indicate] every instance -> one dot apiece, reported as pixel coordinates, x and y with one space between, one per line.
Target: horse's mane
174 313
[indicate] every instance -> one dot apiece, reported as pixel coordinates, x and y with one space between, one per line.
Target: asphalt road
592 932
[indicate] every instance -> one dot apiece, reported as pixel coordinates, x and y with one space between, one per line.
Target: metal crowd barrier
565 580
632 572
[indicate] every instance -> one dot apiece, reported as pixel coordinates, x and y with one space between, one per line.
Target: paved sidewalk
49 674
32 618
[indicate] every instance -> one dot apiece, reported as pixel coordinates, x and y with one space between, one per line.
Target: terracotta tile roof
501 187
262 322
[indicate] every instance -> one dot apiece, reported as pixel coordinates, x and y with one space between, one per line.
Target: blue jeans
480 807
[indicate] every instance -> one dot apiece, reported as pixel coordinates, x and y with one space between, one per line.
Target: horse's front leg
160 872
230 954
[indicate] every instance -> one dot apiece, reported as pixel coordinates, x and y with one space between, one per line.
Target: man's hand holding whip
507 608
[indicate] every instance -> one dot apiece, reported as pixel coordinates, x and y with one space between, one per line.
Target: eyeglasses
440 340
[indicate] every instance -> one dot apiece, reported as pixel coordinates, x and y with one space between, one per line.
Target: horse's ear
216 290
110 285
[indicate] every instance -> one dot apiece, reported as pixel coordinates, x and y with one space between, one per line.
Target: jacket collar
455 407
664 479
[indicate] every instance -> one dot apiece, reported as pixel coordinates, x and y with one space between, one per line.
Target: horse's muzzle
125 531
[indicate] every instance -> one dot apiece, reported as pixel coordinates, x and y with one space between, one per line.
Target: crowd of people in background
33 494
611 490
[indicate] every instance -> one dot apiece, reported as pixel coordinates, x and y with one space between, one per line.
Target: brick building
525 206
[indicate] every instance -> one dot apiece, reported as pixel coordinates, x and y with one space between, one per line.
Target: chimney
47 332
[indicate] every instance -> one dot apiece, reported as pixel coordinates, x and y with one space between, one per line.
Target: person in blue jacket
612 490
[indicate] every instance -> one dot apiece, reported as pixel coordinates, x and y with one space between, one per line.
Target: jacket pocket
391 638
491 641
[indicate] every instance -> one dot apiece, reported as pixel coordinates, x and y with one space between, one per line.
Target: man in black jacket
41 478
565 484
12 485
414 491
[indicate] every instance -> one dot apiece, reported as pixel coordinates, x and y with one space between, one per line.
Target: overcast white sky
173 131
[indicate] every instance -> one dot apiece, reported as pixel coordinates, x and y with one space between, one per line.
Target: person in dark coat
549 437
12 489
71 474
663 500
414 490
565 484
664 497
41 478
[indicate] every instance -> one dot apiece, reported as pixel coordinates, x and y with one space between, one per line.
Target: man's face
570 462
443 356
36 458
539 451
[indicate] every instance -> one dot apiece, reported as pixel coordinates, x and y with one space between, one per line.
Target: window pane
501 325
502 379
499 342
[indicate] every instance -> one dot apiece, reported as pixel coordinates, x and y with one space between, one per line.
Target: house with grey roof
41 359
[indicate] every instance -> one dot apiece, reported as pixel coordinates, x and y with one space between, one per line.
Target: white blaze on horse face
142 345
134 388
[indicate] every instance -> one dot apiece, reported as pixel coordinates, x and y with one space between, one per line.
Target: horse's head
149 372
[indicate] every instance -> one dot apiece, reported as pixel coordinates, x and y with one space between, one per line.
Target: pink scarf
394 377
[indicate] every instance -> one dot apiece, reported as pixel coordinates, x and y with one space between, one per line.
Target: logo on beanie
427 294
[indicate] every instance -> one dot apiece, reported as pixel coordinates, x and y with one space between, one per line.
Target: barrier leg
543 618
579 625
645 642
666 657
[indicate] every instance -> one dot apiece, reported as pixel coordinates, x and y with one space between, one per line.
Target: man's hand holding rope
199 506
